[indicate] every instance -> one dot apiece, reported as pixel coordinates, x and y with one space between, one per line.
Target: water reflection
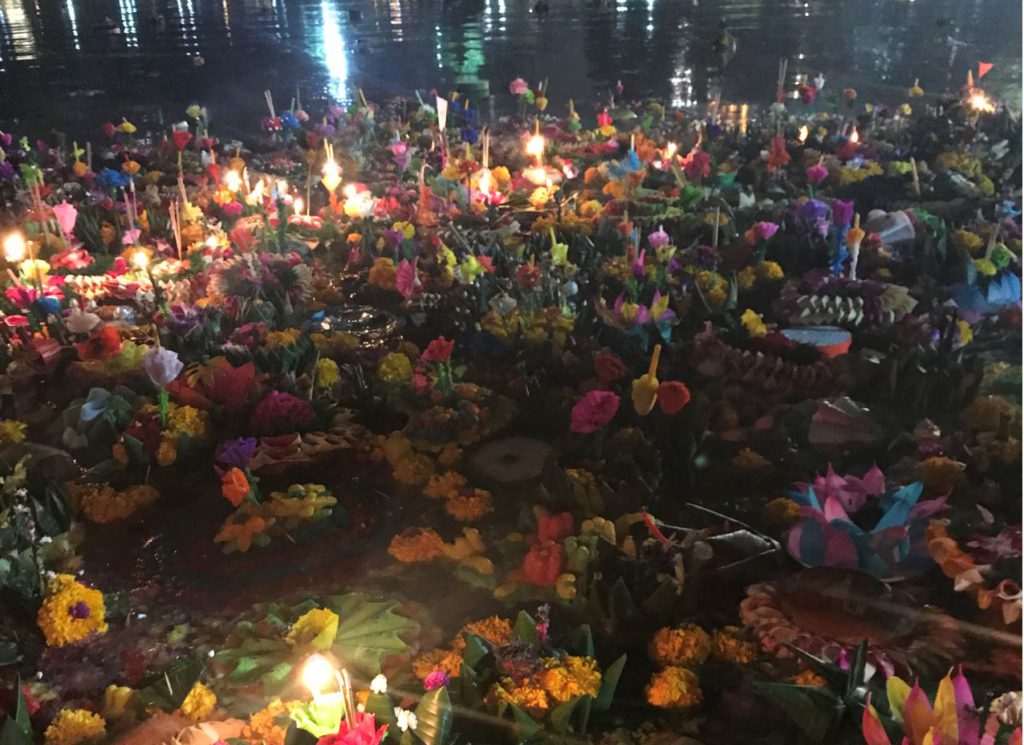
141 55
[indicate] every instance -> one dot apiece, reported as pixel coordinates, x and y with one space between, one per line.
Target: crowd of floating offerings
710 424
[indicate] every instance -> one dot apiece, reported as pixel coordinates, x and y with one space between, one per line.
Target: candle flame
980 103
233 181
317 674
15 247
331 170
484 184
298 204
670 150
804 131
855 136
535 147
140 259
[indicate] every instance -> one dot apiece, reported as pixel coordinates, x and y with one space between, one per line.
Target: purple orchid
623 315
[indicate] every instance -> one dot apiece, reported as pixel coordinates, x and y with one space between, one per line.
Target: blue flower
113 179
48 305
95 404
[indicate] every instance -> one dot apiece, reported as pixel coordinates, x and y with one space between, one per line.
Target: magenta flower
232 209
817 173
658 238
436 679
282 412
594 411
842 213
66 215
518 87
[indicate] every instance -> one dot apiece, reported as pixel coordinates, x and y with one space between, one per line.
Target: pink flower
697 165
66 215
518 87
282 412
761 231
365 732
808 93
817 173
594 411
405 277
232 209
658 238
438 350
435 680
604 119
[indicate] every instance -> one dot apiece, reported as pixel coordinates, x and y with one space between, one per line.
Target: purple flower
236 453
436 679
811 210
638 265
6 170
162 366
842 213
80 610
817 173
658 238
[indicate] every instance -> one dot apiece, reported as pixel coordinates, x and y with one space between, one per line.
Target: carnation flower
439 350
609 367
282 412
673 396
594 411
436 679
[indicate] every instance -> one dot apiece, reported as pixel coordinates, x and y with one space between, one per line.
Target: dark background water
71 64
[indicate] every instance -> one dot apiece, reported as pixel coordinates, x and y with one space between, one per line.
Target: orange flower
234 486
241 534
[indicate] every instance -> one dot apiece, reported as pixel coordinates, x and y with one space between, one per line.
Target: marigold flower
530 698
749 460
809 678
327 372
939 474
415 545
315 629
496 630
687 645
71 612
265 726
726 645
444 485
437 660
469 505
570 677
72 726
199 703
413 469
116 700
674 688
12 431
394 368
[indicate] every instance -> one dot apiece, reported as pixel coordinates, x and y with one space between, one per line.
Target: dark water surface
72 64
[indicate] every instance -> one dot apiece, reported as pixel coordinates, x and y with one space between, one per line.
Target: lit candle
802 136
14 248
233 181
331 170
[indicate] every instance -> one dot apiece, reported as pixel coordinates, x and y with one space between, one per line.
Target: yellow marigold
496 630
746 278
334 343
395 447
437 659
968 241
674 688
315 628
748 459
809 678
687 645
770 270
12 431
570 678
416 545
940 475
413 470
71 612
116 700
753 323
167 451
327 372
526 696
269 725
382 274
283 338
72 726
992 414
104 504
444 485
726 645
535 336
199 703
395 368
469 505
188 420
782 511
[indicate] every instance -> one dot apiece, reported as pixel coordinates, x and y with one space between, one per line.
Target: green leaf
369 630
12 734
476 649
561 715
813 710
609 682
277 675
583 713
621 607
434 717
21 715
167 690
581 642
527 725
383 708
525 628
8 652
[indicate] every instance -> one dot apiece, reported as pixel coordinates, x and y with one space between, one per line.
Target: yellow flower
753 323
167 451
12 431
131 167
437 659
526 696
748 459
416 545
407 229
985 267
382 273
71 612
316 629
444 485
570 678
726 645
674 688
782 511
746 278
770 270
116 700
127 127
104 504
468 506
188 420
268 726
72 726
195 111
687 644
966 333
940 475
413 470
283 338
199 703
395 368
327 372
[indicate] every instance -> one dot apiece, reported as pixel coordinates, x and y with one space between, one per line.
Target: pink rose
518 87
594 411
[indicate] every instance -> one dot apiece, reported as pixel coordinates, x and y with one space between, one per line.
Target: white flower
81 321
379 684
406 720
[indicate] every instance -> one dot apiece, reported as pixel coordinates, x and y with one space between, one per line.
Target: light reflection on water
82 61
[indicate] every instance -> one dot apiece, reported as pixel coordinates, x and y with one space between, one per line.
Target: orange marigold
726 645
469 505
496 630
674 688
415 545
687 645
444 485
437 659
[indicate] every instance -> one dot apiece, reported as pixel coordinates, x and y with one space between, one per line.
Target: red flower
604 119
528 277
439 350
608 367
543 564
110 129
106 342
282 412
594 411
364 733
807 93
181 139
673 396
554 527
697 165
231 386
779 156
